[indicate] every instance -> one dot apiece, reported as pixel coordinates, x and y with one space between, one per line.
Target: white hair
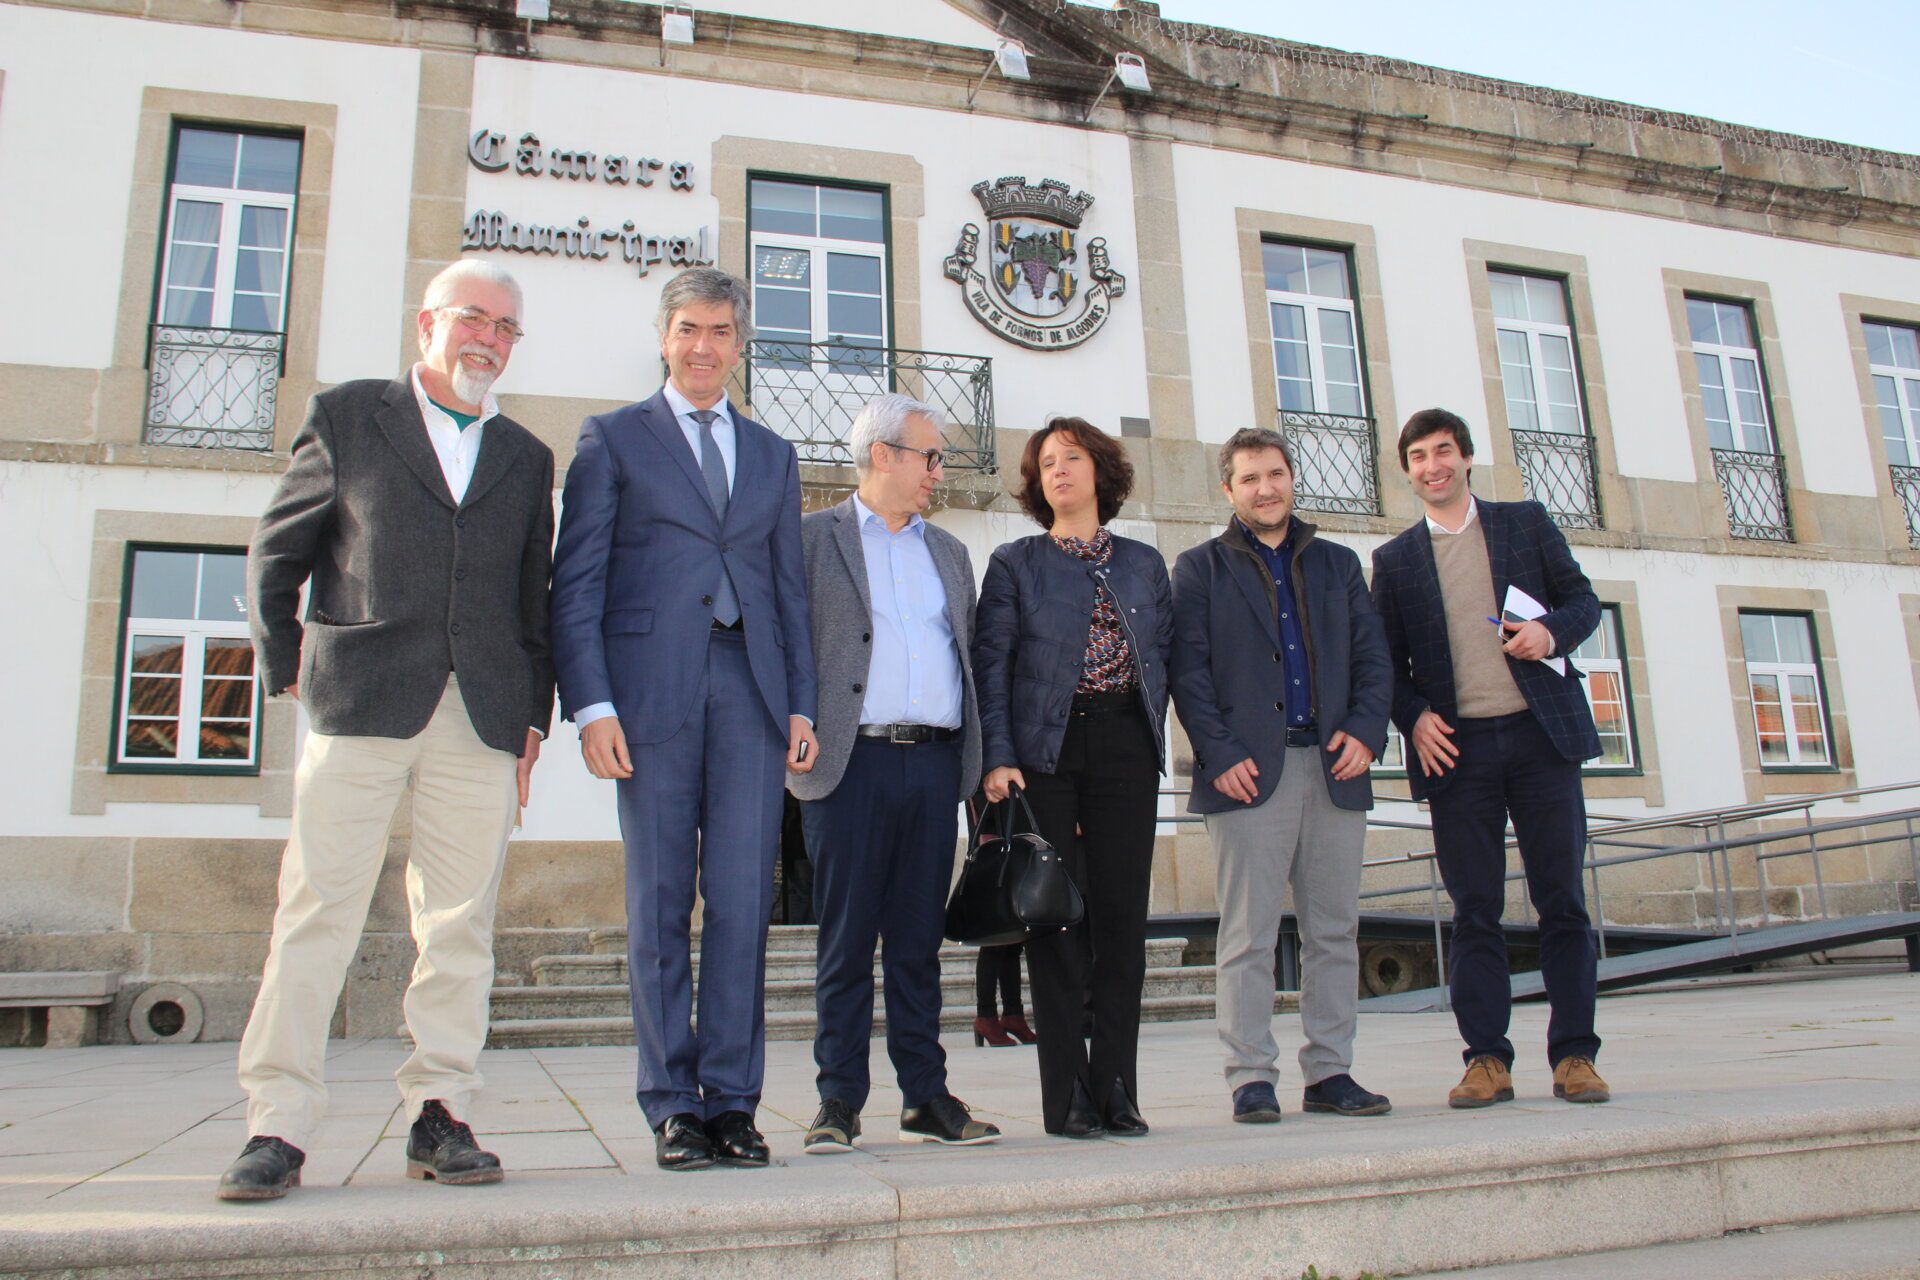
440 289
884 421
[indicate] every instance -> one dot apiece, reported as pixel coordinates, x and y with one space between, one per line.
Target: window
1316 347
1783 678
1540 382
1728 361
1316 364
218 335
1602 658
820 309
229 225
187 691
1751 473
1893 357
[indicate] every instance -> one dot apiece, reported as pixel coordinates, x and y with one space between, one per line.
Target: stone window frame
96 783
1253 227
1757 297
1855 310
1571 270
1819 780
1910 623
121 410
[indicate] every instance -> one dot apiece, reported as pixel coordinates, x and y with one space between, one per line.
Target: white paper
1524 607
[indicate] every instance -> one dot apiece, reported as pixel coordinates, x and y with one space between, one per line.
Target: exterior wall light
1011 59
1130 69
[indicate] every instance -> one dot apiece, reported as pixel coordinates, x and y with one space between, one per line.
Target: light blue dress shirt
723 437
914 673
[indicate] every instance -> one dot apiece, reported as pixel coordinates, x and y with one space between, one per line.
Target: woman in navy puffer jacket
1070 662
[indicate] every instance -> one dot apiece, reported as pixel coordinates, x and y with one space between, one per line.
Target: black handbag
1013 884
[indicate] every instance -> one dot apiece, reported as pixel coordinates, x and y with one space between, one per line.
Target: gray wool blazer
843 641
407 585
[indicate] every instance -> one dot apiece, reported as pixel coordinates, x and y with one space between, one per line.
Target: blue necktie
726 604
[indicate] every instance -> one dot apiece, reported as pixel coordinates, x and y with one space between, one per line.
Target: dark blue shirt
1293 640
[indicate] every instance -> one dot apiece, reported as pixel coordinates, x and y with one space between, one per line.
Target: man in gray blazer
1281 678
421 521
899 733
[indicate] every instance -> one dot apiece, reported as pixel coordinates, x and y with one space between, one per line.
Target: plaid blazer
1524 549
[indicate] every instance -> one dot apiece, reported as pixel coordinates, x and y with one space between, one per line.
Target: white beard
471 385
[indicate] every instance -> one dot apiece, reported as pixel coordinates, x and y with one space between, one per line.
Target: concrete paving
1737 1105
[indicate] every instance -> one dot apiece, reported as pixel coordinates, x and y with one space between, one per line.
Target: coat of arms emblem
1036 290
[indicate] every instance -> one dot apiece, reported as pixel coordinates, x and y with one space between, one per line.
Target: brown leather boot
987 1031
1487 1081
1575 1080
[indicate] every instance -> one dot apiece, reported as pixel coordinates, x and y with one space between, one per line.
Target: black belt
738 624
1303 735
908 734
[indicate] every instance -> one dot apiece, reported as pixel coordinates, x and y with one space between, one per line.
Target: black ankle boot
1123 1118
1083 1120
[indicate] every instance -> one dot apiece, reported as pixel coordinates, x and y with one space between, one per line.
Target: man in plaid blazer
1495 730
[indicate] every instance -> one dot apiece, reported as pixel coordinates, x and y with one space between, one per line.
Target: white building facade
1699 345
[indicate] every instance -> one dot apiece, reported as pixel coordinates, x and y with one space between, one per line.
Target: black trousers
1508 766
998 973
1098 809
882 850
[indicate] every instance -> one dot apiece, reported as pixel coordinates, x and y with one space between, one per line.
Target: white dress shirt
457 447
913 674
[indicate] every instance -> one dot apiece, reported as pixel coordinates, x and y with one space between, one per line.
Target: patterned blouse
1108 665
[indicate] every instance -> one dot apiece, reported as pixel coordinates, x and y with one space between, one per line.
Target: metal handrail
1718 850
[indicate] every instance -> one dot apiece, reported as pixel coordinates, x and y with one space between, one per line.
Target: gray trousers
1295 837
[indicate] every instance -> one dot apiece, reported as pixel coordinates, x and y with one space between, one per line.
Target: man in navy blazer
684 653
1495 729
1281 680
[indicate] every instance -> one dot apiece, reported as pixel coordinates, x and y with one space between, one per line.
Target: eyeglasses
479 321
935 458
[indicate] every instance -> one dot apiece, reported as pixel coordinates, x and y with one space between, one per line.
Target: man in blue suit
684 653
1495 731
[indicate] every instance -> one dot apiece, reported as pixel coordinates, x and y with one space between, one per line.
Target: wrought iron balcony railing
1754 486
810 393
1338 462
1559 471
1906 485
212 388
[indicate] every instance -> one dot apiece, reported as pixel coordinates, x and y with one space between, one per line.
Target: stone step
556 1032
781 938
611 968
783 995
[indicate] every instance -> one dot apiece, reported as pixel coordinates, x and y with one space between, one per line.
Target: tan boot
1487 1081
1575 1080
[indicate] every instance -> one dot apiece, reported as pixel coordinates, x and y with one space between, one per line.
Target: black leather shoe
681 1143
736 1141
1255 1103
267 1167
1123 1118
1082 1121
442 1149
946 1120
1342 1096
835 1129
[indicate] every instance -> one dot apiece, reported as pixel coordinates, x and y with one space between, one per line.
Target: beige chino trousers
345 793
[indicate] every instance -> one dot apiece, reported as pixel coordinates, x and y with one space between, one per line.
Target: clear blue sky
1840 69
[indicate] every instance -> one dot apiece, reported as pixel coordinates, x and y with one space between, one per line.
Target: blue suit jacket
1229 683
1524 549
639 554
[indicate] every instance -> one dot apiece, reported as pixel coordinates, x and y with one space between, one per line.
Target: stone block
211 886
63 884
553 884
195 957
24 952
70 1026
47 403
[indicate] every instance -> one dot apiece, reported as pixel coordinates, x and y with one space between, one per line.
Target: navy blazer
639 554
1030 643
1524 549
1229 681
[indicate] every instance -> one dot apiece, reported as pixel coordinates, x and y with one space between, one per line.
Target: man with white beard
421 521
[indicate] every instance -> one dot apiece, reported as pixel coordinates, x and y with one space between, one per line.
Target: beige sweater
1482 682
